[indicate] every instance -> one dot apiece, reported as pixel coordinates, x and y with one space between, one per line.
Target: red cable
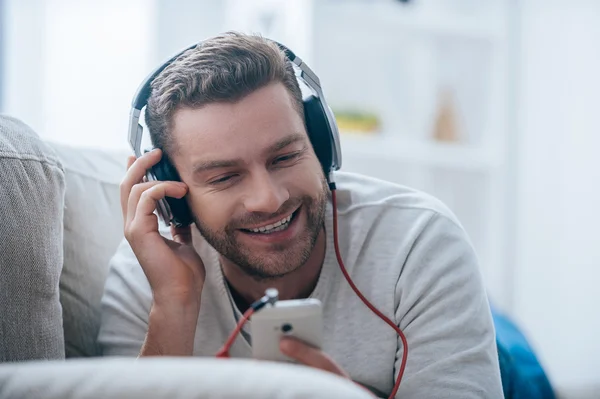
365 301
224 351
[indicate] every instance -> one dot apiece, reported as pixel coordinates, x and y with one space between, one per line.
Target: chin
271 265
273 255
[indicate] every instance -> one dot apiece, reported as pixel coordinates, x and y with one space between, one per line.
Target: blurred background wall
490 105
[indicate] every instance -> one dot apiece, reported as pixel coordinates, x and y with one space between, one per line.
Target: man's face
256 187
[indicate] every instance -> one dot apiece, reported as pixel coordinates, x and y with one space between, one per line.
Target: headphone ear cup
178 207
319 132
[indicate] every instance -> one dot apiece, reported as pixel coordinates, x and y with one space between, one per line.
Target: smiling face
256 187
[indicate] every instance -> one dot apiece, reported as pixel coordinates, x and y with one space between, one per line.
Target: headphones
320 124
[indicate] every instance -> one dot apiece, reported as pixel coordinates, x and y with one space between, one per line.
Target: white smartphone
299 318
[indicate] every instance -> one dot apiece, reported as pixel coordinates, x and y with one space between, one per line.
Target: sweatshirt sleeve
125 305
443 310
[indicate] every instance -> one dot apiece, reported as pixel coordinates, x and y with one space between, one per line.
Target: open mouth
278 226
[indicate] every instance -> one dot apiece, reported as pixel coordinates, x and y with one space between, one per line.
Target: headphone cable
332 187
272 297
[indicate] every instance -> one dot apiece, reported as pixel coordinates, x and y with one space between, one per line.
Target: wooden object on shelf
446 126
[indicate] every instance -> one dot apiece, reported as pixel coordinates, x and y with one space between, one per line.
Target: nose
265 195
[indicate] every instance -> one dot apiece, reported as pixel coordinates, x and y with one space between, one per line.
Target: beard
281 259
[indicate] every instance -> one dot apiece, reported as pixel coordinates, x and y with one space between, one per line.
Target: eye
222 179
285 158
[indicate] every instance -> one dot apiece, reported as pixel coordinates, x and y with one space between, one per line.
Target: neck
298 284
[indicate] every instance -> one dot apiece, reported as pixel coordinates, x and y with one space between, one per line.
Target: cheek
309 179
303 179
213 212
309 184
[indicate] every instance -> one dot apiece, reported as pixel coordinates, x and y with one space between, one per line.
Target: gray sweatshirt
408 255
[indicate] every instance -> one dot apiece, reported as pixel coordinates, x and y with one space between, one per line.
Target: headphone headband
143 92
320 123
140 99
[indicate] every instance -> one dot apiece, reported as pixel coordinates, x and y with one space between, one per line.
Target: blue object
523 377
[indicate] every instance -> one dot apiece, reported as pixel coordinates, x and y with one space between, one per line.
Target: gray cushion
32 189
173 378
92 231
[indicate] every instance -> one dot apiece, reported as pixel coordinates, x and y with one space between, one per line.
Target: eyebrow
203 166
284 142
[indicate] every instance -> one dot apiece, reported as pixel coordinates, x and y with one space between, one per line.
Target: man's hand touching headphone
173 268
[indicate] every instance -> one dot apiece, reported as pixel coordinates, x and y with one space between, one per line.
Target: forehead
228 130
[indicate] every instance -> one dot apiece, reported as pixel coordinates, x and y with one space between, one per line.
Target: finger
134 197
182 235
309 355
130 161
135 173
147 202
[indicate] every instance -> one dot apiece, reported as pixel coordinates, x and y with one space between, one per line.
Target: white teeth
271 228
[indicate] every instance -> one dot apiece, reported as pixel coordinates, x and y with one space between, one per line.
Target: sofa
61 223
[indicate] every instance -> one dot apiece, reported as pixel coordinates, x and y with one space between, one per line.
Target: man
228 115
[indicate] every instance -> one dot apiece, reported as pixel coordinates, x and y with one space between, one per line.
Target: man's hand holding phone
174 270
310 356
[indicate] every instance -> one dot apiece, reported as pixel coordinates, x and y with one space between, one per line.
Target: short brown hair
224 68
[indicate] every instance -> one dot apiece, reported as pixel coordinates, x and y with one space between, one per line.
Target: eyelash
285 158
223 179
280 159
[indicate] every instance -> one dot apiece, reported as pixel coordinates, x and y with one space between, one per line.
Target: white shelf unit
394 60
450 156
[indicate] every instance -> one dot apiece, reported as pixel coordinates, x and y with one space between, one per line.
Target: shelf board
426 153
